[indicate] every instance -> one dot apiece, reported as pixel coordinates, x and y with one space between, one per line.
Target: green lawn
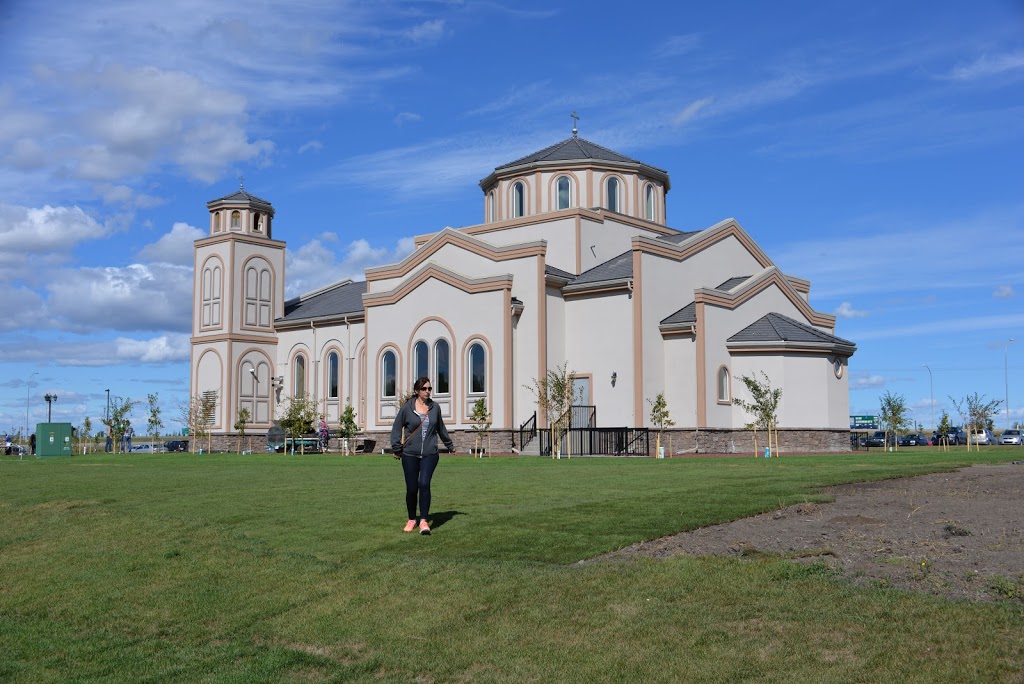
226 568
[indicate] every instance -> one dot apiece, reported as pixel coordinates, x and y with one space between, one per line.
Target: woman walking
414 440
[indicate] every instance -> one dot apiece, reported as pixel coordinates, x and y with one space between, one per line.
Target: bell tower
238 292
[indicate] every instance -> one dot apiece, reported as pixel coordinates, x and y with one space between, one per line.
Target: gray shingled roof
551 270
616 268
678 237
775 327
239 197
573 149
345 299
688 314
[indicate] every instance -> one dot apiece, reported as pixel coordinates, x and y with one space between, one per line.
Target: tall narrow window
490 206
477 369
518 200
236 219
258 304
299 381
211 297
649 202
388 374
562 187
216 222
256 222
723 384
421 360
332 375
612 187
442 371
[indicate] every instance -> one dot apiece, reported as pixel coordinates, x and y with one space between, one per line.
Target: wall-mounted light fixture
614 377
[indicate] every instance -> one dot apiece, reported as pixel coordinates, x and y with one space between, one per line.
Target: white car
983 437
144 448
1012 437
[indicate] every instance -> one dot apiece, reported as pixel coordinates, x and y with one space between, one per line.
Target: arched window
490 207
442 371
216 222
518 200
332 375
256 222
236 219
299 377
420 361
562 188
388 374
723 385
612 187
257 297
211 297
649 202
477 369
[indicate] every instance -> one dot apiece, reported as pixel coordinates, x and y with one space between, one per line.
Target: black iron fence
528 431
595 441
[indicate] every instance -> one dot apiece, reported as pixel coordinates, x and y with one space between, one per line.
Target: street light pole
1006 378
931 395
50 398
28 391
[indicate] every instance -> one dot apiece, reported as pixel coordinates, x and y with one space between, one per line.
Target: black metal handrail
528 431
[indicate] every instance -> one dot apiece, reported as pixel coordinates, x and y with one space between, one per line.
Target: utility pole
1006 378
931 396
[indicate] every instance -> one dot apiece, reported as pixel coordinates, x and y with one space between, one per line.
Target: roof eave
647 169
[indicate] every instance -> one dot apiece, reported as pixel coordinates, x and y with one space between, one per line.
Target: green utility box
53 439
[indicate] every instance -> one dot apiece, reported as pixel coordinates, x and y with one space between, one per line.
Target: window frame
300 375
470 391
558 192
382 390
518 199
723 371
650 210
612 197
435 374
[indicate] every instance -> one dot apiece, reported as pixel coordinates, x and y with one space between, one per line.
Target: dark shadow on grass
440 518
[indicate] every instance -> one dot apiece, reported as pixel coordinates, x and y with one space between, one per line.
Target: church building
573 264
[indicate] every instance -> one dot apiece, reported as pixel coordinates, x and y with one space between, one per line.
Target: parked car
145 449
984 437
913 440
956 436
1012 437
176 445
877 439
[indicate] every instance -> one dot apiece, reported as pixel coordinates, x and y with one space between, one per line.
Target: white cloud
314 264
162 349
175 247
691 111
1003 292
986 65
674 46
311 146
428 32
137 297
863 381
846 310
407 117
31 238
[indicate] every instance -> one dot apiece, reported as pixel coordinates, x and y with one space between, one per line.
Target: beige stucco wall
599 340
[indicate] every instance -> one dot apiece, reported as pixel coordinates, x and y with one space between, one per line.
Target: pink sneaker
424 527
409 526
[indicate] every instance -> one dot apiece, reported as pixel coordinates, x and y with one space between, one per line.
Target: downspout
348 361
316 364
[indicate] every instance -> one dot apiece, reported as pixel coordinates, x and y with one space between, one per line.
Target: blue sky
873 148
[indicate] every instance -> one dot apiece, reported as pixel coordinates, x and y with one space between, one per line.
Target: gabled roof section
341 299
688 314
774 328
617 268
676 238
243 198
558 273
450 236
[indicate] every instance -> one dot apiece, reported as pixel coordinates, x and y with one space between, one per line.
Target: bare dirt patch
957 534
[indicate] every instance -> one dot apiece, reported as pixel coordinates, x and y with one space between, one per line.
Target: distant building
573 263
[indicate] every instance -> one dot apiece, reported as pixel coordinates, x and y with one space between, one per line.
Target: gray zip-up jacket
417 445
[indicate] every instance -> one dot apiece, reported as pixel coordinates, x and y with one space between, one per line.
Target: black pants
418 472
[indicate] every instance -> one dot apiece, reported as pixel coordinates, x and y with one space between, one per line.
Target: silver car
983 437
1011 437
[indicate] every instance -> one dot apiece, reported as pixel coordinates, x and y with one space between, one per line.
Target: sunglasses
426 389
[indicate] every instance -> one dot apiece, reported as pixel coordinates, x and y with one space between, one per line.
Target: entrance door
580 397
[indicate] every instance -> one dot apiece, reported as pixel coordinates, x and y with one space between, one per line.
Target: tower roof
575 150
241 198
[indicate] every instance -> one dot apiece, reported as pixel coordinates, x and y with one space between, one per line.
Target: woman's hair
420 382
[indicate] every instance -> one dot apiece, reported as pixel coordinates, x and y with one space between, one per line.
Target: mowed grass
227 568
